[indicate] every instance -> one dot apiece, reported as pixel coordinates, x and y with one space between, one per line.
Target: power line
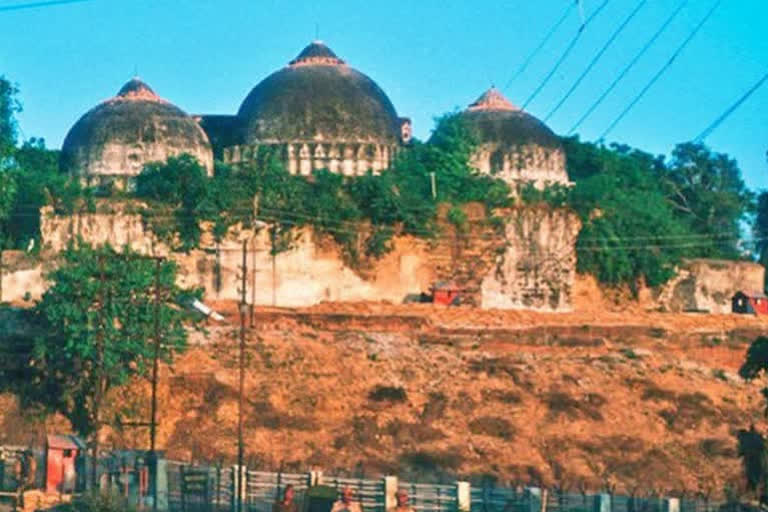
565 54
35 5
708 131
629 66
541 45
596 58
663 69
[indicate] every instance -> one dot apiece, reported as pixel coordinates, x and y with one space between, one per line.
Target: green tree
180 199
709 195
96 329
9 107
752 445
629 228
39 183
760 228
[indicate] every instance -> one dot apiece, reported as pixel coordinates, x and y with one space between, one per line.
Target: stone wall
708 285
529 264
527 163
538 267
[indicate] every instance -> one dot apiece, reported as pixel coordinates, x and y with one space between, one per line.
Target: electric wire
661 71
565 54
725 115
541 45
596 58
628 67
36 5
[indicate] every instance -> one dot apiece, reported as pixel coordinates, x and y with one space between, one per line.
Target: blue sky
429 56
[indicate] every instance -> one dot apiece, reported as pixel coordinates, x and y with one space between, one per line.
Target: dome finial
136 89
316 53
492 99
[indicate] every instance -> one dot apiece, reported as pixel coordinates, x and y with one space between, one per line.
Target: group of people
346 503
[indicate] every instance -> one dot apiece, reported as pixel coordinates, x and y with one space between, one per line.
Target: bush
492 426
560 403
388 394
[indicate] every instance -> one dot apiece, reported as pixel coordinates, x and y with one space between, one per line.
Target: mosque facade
317 112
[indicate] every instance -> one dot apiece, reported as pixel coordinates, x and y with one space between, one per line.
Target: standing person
286 504
346 503
25 470
402 502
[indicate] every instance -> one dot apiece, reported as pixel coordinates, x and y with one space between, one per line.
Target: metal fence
263 489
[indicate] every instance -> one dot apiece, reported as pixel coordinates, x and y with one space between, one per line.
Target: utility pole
433 184
156 355
243 306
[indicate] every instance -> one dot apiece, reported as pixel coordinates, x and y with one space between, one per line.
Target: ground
628 400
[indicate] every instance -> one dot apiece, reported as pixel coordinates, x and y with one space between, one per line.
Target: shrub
433 460
500 395
492 426
560 403
388 394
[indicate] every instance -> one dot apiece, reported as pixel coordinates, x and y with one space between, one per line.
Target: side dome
113 141
318 98
514 145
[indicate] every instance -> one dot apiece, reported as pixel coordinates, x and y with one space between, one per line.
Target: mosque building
317 111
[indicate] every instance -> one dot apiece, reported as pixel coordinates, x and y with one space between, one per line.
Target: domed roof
496 120
318 97
122 134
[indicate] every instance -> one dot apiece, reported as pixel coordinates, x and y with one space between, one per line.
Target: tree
752 446
96 331
708 194
9 107
628 224
179 192
39 183
760 228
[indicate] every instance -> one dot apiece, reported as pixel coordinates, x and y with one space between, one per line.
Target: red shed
445 292
61 452
755 303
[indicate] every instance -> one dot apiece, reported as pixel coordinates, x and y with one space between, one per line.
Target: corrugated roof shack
63 460
746 303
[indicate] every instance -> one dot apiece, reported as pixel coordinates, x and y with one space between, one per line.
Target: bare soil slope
633 401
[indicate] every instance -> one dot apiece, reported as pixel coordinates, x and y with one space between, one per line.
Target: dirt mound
627 401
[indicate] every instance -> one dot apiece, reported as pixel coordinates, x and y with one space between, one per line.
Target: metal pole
153 421
433 183
242 383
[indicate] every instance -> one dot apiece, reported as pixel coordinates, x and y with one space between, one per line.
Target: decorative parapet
349 159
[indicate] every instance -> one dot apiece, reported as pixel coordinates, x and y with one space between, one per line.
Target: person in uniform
401 497
346 503
25 470
286 504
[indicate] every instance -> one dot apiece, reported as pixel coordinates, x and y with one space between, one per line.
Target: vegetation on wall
641 215
361 214
29 179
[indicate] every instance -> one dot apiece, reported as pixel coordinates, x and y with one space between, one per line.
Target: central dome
318 98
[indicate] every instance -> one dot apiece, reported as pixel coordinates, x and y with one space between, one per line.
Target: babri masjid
321 113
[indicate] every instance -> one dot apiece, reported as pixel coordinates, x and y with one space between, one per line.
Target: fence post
315 478
603 503
671 504
534 499
239 492
159 481
463 496
390 490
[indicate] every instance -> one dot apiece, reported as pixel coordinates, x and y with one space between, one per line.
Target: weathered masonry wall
529 264
709 285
